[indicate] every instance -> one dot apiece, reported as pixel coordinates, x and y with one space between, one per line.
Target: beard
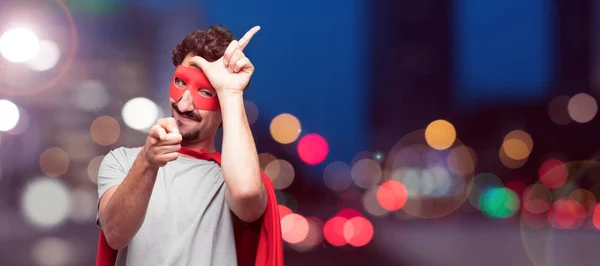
191 136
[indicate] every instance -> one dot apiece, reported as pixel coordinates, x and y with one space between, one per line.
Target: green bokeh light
499 203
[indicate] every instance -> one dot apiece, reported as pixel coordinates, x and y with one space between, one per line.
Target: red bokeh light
349 213
358 231
392 195
566 214
553 173
294 228
334 231
313 149
596 216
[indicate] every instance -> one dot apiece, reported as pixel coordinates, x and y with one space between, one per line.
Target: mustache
188 114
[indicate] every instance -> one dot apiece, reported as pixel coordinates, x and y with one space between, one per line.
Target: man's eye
180 83
207 93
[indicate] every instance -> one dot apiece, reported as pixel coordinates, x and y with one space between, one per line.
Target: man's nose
186 103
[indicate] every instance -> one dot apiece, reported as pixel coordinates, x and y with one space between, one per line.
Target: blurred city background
397 132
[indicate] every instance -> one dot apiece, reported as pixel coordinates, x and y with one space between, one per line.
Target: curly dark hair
210 44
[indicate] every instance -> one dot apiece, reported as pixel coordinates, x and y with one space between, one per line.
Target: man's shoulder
125 152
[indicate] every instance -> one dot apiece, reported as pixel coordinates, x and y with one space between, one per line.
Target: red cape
257 244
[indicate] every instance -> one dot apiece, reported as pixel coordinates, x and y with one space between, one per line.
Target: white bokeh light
140 113
19 45
9 115
46 57
91 96
46 202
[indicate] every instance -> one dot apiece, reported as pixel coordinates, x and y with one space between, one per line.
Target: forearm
239 161
125 211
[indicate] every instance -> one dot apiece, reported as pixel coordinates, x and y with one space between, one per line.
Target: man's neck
207 145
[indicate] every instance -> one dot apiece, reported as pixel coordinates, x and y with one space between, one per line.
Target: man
176 201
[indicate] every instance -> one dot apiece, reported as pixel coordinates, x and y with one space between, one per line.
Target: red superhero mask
194 80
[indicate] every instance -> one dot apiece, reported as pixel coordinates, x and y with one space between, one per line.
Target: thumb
199 62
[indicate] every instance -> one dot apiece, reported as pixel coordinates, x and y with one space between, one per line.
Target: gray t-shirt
187 222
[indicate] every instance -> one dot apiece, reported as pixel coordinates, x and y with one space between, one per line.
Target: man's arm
230 76
245 193
123 208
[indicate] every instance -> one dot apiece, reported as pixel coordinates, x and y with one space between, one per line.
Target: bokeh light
91 96
371 203
586 198
557 110
54 162
105 130
440 134
93 167
285 128
499 202
392 195
46 202
517 145
366 173
358 231
251 111
10 115
510 162
333 231
566 214
477 187
596 217
537 199
281 173
553 173
19 45
314 237
264 159
283 211
140 113
46 58
337 176
462 161
53 251
313 149
23 122
582 108
294 228
434 184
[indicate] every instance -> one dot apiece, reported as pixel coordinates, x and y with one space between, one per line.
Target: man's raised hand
232 72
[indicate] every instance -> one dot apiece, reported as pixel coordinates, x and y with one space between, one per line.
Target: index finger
247 37
169 124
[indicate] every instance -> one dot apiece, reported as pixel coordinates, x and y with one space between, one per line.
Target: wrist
228 98
229 93
143 160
